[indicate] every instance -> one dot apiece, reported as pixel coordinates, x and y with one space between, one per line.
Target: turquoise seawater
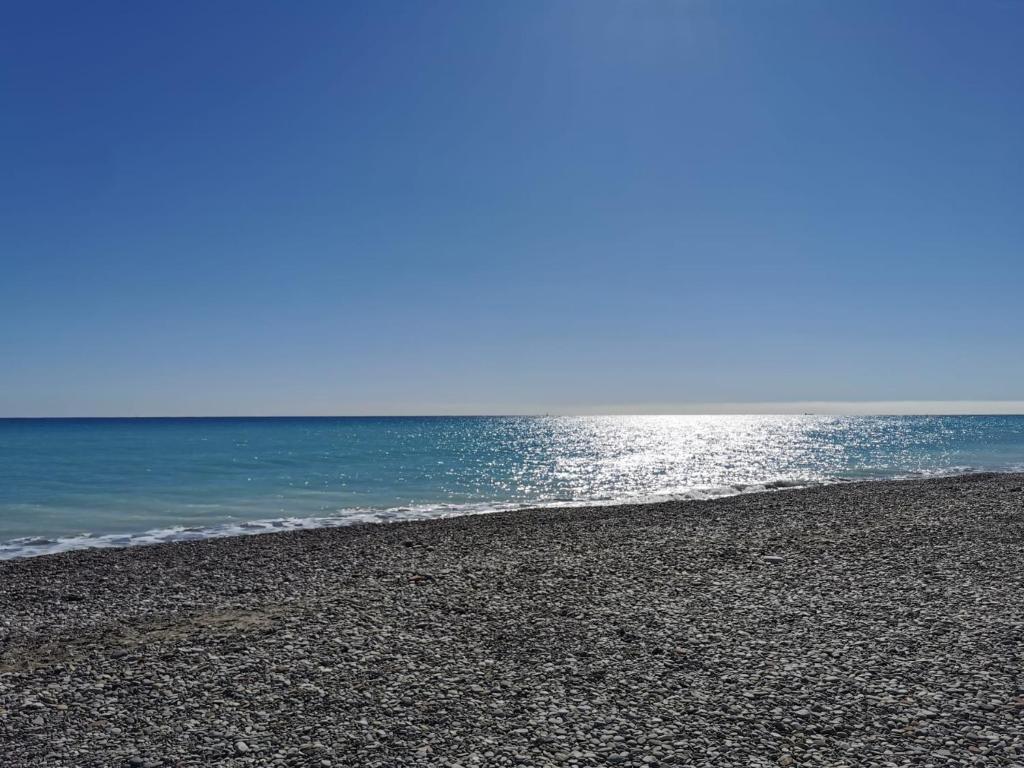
69 483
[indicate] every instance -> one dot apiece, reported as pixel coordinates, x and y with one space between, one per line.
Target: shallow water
71 483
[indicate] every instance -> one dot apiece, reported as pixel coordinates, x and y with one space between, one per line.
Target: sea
77 483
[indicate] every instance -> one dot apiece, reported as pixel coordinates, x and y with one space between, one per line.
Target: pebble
634 636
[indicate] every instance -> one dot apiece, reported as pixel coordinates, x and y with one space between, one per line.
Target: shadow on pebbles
871 624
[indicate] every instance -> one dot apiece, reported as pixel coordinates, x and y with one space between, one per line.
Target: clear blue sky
404 207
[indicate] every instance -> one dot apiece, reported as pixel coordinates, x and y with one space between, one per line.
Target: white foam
32 546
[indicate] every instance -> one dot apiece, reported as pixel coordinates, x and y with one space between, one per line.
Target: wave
32 546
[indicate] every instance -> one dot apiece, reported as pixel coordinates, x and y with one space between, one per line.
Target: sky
247 208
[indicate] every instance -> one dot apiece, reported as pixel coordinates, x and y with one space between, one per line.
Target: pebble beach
858 624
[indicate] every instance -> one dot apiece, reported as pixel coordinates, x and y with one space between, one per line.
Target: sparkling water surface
70 483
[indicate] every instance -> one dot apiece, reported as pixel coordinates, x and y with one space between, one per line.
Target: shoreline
42 545
857 623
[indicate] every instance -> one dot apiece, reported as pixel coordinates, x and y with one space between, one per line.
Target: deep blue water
68 483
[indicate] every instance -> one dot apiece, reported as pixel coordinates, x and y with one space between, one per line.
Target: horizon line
765 408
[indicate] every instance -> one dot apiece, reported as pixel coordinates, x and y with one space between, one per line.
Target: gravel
868 624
